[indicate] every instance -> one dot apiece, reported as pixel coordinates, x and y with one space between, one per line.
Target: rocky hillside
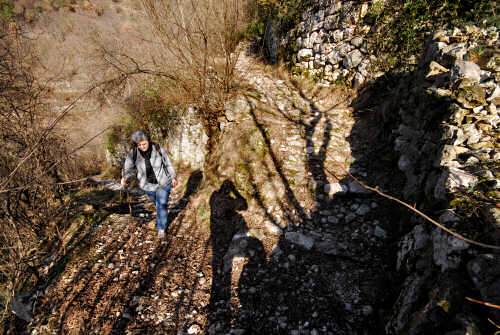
68 38
271 234
280 227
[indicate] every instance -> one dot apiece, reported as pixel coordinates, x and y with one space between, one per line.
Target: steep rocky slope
284 247
274 238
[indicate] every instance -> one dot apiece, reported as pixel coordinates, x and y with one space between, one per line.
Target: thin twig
29 185
57 163
483 303
376 190
494 324
70 182
47 130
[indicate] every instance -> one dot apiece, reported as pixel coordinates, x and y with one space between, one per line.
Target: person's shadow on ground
192 186
229 239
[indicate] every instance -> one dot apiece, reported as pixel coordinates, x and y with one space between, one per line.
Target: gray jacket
164 170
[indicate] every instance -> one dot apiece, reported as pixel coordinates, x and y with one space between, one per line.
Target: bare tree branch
483 303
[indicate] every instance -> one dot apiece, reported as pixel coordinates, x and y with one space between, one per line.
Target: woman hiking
155 174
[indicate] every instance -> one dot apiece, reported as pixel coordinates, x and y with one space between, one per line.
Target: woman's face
143 145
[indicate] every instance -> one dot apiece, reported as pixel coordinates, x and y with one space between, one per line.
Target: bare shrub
150 109
194 53
34 163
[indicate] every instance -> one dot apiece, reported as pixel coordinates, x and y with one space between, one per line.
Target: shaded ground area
281 243
331 260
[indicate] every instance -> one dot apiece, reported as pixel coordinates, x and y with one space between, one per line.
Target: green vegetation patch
405 26
150 109
6 10
243 180
287 13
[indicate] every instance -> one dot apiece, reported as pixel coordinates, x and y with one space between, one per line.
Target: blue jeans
160 198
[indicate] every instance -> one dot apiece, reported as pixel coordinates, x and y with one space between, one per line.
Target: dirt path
128 281
316 261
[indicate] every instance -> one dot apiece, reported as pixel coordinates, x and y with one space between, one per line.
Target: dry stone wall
331 42
462 78
448 142
450 147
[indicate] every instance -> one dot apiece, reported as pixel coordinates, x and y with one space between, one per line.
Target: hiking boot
161 234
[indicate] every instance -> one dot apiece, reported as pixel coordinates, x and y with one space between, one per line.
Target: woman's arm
169 166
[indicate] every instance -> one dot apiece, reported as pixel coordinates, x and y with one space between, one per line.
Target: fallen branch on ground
80 147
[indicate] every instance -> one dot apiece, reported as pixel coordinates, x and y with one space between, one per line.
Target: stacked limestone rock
449 145
331 42
463 78
187 140
447 140
471 136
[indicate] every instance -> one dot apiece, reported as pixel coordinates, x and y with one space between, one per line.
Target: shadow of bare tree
327 271
107 289
335 265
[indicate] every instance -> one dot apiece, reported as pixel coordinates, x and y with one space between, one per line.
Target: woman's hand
124 182
174 182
